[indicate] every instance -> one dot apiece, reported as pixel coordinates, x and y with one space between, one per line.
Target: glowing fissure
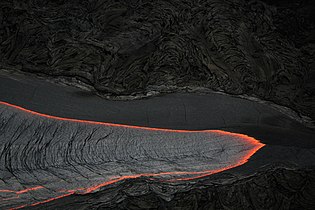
254 144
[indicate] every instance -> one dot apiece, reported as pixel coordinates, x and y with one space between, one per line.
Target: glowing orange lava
198 174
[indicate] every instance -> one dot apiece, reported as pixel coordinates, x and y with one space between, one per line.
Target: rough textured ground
284 166
123 48
57 157
130 49
272 189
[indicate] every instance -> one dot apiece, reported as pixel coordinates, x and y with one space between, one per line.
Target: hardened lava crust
224 120
43 157
130 49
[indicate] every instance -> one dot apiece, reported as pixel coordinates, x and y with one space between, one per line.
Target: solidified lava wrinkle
253 145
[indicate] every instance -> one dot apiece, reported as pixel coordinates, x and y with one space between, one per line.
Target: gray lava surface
62 156
52 163
242 66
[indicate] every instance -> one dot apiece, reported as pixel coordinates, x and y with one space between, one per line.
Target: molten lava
255 144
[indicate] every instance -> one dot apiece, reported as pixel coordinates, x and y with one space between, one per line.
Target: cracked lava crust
43 158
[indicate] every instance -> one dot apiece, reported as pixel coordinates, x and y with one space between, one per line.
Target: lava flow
253 145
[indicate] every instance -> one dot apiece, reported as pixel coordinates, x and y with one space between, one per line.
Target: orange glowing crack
17 193
22 191
29 189
198 174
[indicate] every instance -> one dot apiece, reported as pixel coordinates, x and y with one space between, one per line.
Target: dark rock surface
120 49
192 111
123 48
272 189
281 174
57 164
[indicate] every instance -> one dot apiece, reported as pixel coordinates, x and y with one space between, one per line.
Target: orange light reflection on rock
197 174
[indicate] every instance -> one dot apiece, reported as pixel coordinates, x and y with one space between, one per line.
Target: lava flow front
43 158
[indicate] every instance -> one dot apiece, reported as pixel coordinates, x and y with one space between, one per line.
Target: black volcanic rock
272 189
46 162
263 49
126 49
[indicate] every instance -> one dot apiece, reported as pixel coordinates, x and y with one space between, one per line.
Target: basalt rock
272 189
119 48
